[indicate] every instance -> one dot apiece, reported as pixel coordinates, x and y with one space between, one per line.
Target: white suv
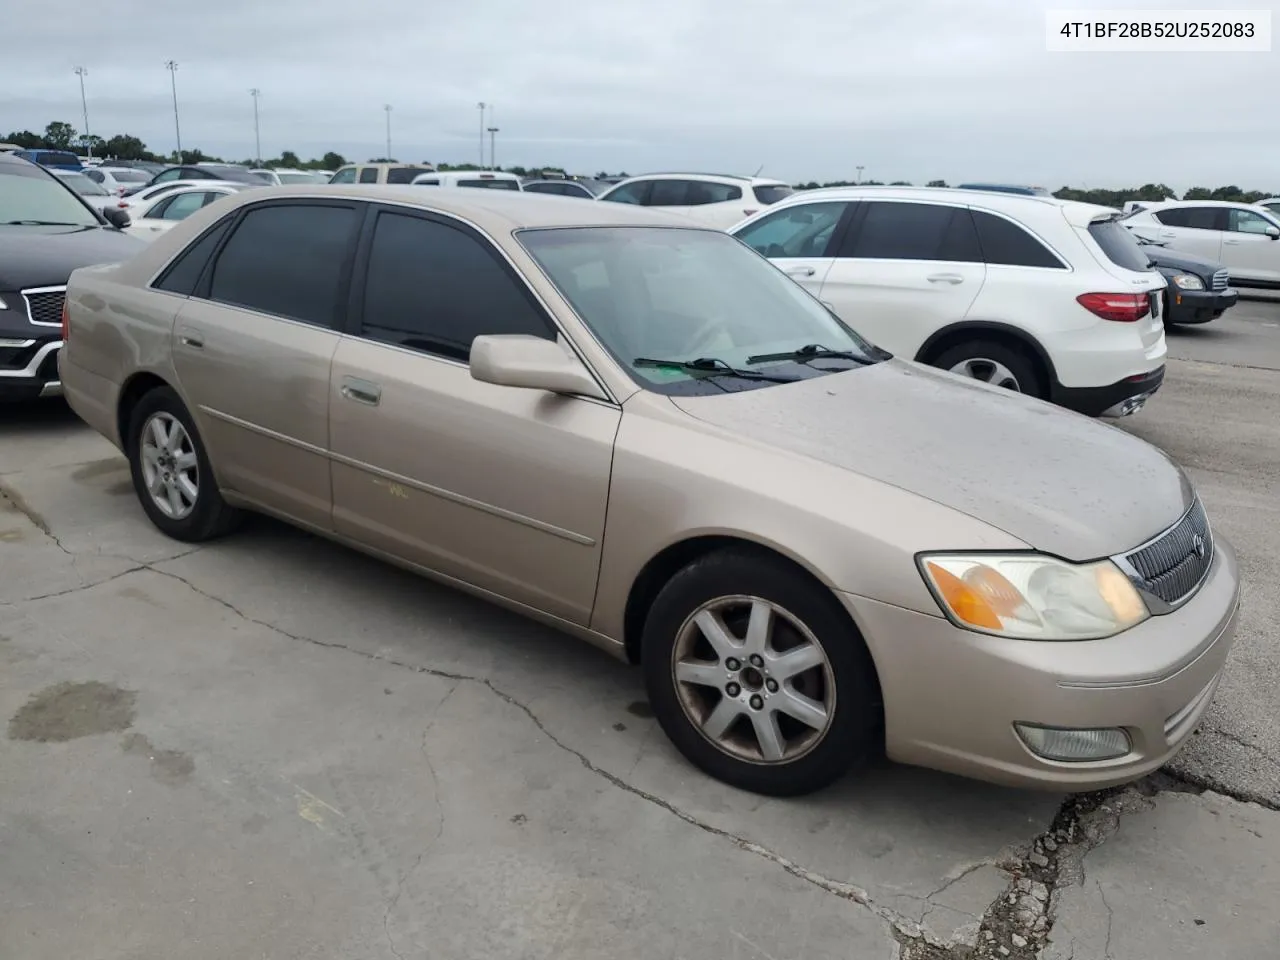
713 199
1243 237
1044 296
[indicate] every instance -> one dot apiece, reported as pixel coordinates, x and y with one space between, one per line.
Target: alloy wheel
170 467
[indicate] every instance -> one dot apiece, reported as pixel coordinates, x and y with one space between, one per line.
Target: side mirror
520 360
117 217
1273 233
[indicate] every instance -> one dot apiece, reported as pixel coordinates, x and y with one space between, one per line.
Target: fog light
1057 743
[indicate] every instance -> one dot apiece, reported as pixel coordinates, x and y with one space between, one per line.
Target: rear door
903 270
253 347
1194 230
1248 252
799 239
499 487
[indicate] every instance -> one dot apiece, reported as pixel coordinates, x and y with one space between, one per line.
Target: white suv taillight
1121 307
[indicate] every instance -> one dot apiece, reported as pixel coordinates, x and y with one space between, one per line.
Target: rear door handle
190 337
1233 242
361 391
800 271
952 278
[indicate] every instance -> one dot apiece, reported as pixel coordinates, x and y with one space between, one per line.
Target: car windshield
83 185
491 184
682 295
296 177
770 193
235 174
29 195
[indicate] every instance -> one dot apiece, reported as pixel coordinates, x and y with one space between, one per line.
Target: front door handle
951 278
800 271
1168 236
1232 242
361 391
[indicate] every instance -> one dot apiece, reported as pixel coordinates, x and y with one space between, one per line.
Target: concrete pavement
271 746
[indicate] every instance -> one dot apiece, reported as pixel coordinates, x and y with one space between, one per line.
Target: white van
492 179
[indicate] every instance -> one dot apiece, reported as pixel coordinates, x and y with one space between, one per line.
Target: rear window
57 158
491 184
772 193
128 176
1119 245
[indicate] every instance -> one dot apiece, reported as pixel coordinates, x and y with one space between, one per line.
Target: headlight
1188 281
1033 597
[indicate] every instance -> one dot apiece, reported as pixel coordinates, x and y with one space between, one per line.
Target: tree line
59 135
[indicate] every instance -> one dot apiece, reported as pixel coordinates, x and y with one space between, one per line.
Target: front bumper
1114 400
1198 306
952 697
29 368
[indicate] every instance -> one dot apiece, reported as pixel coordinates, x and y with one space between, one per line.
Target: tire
203 516
844 684
979 353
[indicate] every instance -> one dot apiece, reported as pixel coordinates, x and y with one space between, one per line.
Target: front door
1248 252
798 240
253 346
499 487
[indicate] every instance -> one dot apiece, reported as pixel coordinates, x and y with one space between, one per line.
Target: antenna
758 169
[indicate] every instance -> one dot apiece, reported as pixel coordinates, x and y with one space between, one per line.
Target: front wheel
171 472
758 675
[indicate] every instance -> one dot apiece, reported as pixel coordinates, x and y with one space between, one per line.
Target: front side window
1004 242
1246 221
345 175
435 288
287 260
637 192
168 175
368 174
661 298
181 206
30 195
1197 218
913 231
802 230
405 174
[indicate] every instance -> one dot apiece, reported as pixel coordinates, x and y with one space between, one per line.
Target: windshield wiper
711 366
812 351
42 223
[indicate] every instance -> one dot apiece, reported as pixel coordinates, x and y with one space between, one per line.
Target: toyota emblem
1197 541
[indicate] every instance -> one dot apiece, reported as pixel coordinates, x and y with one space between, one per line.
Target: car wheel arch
674 557
965 330
131 393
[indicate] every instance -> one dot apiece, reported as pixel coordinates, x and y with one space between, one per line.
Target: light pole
860 169
493 158
172 67
481 105
81 72
257 140
387 107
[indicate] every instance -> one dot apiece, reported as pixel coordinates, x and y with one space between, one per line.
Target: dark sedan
46 231
1198 289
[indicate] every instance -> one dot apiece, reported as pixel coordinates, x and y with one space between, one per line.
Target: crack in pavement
1111 919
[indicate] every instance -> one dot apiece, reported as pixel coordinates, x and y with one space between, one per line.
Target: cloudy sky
908 89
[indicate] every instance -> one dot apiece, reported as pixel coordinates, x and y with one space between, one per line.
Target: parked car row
503 391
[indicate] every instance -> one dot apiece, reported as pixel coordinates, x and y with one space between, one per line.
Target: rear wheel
995 363
758 676
171 472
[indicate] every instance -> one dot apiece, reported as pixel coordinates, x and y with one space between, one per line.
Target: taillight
1121 307
66 320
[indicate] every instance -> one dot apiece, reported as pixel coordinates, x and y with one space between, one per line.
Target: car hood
45 256
1163 257
1057 481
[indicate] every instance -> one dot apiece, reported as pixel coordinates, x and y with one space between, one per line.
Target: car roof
1162 204
1014 204
689 174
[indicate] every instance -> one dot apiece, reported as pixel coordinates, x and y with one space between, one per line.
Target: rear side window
1198 218
691 193
426 183
288 260
369 175
402 174
1119 245
435 288
183 273
771 193
913 231
1004 242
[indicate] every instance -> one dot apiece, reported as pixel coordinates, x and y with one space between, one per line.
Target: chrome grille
1173 565
44 306
1220 280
